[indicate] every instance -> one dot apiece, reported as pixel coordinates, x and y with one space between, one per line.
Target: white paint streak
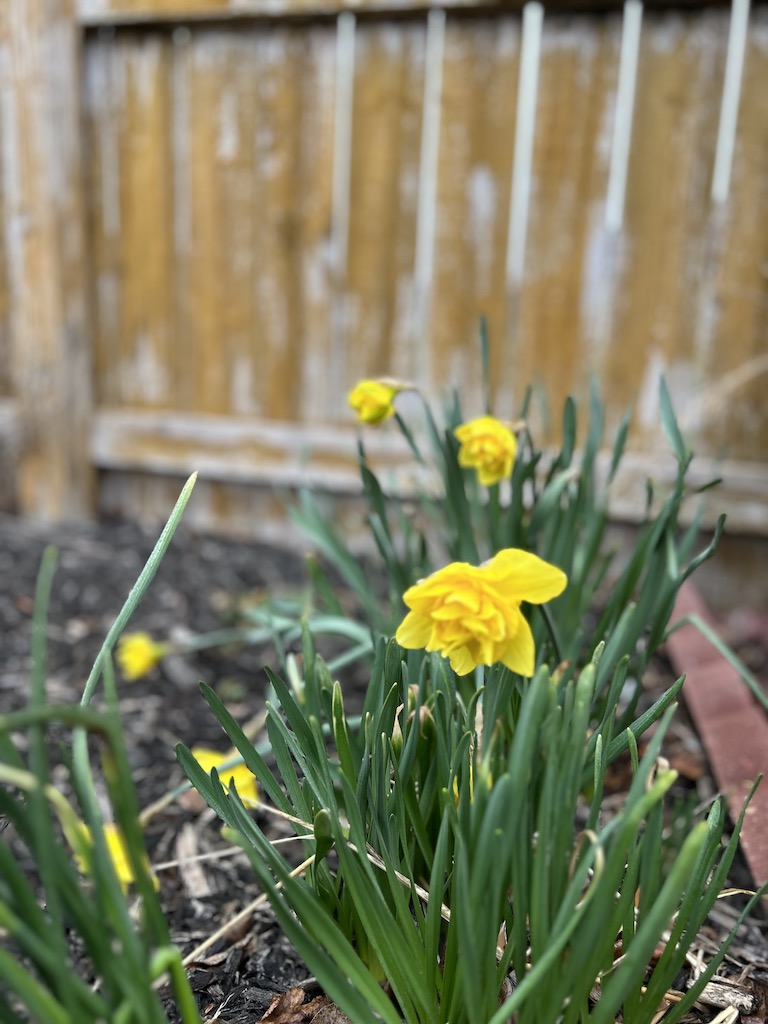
625 104
180 132
241 384
91 10
508 38
146 65
14 216
342 140
148 375
391 37
60 95
108 293
729 109
320 404
482 205
102 98
108 329
426 214
527 92
430 149
228 135
648 392
602 269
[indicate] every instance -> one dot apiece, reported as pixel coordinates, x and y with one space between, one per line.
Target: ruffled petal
520 653
462 661
523 576
414 631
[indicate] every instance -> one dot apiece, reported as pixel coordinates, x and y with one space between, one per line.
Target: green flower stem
42 1004
64 714
168 961
549 622
139 588
494 518
80 764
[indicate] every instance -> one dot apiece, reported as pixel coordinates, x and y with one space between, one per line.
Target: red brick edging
731 724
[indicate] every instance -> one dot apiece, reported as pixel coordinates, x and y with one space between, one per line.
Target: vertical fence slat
525 124
426 214
729 110
340 183
44 224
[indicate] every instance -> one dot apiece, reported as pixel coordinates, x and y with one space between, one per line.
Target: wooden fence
217 215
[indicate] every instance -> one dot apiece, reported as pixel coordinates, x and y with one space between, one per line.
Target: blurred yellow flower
137 654
244 779
372 400
488 446
118 853
471 614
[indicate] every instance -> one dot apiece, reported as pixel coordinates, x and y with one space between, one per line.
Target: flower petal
488 446
372 399
414 631
471 614
524 576
462 661
245 781
520 653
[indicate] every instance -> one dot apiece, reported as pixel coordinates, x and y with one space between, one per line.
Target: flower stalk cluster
457 861
456 827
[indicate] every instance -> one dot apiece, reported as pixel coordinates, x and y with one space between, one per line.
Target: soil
198 586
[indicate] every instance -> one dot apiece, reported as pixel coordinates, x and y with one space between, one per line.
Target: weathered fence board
273 206
47 338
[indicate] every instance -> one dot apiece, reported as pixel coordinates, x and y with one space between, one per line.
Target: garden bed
196 589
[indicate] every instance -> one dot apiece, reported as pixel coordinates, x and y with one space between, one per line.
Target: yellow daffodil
372 400
471 614
137 654
488 446
118 853
244 779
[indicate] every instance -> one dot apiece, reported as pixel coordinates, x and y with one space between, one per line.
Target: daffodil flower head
118 854
489 447
245 781
137 654
471 614
373 400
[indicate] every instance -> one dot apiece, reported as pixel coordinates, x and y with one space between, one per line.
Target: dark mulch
236 977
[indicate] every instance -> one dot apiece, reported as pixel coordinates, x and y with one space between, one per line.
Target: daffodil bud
489 447
372 400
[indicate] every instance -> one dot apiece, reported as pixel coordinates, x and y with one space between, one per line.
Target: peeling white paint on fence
729 110
525 124
622 125
426 218
260 234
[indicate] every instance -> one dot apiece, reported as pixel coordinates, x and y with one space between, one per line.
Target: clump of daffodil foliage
94 890
459 863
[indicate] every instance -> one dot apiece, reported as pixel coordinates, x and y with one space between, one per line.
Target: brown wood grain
47 342
212 249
